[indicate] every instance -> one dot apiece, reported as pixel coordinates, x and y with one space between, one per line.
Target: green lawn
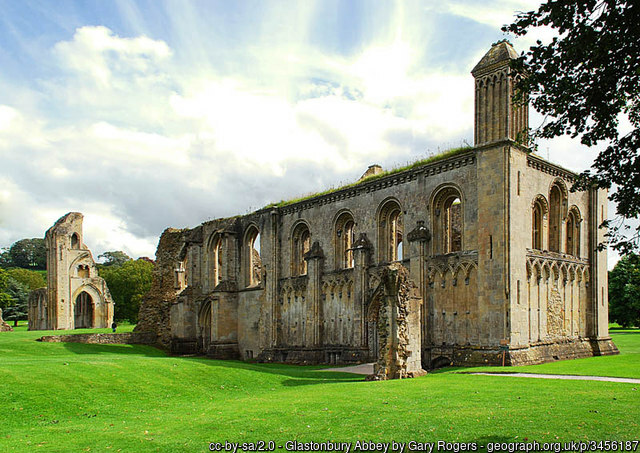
75 397
626 364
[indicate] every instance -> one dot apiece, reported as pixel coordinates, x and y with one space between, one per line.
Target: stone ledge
148 338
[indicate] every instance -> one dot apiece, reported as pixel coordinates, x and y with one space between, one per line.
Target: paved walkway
364 368
564 376
367 368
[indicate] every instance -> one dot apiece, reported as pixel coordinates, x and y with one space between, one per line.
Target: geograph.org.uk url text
427 447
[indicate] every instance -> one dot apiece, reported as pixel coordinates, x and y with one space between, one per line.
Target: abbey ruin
75 296
499 255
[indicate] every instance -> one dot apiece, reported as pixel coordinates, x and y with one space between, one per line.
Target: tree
5 258
30 279
18 309
584 81
128 283
115 258
5 298
624 291
29 254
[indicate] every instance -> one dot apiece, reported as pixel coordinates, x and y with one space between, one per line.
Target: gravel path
367 368
364 368
564 376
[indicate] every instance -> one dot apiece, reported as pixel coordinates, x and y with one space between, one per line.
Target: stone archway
394 310
204 326
83 311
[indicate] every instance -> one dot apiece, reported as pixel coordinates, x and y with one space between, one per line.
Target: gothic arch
252 261
215 259
344 237
539 213
447 214
390 230
300 245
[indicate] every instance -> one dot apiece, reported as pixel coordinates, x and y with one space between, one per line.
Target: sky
145 115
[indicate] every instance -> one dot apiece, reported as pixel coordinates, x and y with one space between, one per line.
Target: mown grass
74 397
428 160
623 365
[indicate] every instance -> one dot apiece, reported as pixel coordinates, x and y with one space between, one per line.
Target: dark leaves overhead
584 82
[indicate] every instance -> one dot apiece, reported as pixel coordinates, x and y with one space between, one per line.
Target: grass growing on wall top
76 397
440 156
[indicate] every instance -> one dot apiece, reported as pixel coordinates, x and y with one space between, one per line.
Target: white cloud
144 132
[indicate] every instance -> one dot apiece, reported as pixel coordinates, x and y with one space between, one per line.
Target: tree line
23 269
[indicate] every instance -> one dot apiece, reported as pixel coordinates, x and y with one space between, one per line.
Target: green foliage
443 155
585 80
128 283
5 258
99 397
28 254
115 258
624 292
30 279
5 298
19 294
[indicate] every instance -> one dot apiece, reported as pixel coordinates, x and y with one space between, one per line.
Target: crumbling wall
154 315
396 305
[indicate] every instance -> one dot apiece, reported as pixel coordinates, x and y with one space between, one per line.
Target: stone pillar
419 239
315 264
273 275
361 257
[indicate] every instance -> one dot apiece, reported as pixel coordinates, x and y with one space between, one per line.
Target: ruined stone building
75 296
498 252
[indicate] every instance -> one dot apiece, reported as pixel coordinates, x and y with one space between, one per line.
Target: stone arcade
75 297
496 252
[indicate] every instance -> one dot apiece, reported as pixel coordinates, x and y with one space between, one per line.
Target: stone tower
496 117
75 297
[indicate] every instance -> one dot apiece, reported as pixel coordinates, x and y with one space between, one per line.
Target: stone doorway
204 326
83 311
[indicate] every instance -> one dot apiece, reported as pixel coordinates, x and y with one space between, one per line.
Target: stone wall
148 338
154 314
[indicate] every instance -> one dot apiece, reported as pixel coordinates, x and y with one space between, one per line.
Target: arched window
344 239
253 262
75 241
390 232
447 221
215 258
83 271
572 236
538 213
300 244
557 209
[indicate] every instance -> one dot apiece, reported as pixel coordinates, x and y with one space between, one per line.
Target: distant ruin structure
75 296
480 255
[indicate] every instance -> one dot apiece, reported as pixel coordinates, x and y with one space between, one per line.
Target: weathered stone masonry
75 296
495 247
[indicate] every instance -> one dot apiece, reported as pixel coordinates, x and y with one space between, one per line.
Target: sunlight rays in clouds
166 114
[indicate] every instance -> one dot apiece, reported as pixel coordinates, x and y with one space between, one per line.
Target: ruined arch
572 232
539 210
75 241
215 259
390 231
447 214
300 245
557 212
344 238
85 299
205 325
252 268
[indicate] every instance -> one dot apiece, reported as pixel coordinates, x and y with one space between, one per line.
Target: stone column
315 264
361 258
419 239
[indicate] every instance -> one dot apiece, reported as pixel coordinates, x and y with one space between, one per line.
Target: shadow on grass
114 349
305 374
